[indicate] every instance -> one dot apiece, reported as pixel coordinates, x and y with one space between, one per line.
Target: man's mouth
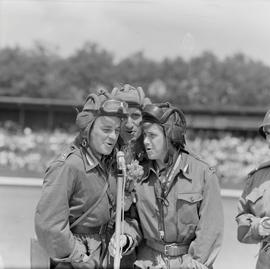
109 144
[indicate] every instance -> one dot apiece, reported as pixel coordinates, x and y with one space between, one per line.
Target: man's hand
112 244
264 226
85 263
189 263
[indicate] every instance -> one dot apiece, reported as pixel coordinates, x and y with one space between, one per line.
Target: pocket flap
256 194
190 197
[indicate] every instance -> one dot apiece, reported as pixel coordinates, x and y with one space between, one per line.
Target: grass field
17 205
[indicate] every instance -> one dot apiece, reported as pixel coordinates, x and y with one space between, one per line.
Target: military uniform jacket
253 205
193 213
73 182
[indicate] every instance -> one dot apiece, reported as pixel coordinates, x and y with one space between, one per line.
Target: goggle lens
114 106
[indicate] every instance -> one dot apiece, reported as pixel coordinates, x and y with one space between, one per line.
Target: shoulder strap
172 175
161 196
261 166
91 208
161 201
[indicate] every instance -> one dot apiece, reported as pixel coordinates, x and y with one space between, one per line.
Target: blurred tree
25 72
136 70
157 89
89 67
203 80
174 73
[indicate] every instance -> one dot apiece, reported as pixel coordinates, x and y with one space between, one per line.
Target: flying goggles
114 107
109 107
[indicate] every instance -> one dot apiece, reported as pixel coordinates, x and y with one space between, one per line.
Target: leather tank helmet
135 97
171 118
96 105
266 122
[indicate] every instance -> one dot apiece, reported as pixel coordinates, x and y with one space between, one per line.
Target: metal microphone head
120 154
121 160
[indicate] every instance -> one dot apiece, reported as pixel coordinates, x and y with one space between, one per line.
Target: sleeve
248 223
209 231
52 212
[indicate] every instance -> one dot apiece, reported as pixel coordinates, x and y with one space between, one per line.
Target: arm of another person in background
52 213
209 231
247 230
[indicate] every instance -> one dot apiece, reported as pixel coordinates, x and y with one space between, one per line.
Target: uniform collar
184 167
148 168
89 160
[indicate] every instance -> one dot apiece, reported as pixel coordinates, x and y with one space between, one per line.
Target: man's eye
135 116
149 135
106 130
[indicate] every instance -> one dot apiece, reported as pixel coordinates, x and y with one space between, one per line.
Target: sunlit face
154 141
131 129
104 135
266 130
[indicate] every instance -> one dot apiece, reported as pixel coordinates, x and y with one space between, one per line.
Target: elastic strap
160 202
172 175
90 209
162 194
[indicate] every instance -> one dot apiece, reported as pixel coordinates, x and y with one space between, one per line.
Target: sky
158 28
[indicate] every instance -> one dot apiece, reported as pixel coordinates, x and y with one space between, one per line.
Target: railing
42 113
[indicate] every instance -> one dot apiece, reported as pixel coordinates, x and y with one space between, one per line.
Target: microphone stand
121 179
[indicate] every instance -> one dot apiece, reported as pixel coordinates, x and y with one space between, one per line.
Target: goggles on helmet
114 107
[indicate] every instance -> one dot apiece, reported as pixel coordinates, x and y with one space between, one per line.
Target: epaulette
261 166
65 153
60 158
197 157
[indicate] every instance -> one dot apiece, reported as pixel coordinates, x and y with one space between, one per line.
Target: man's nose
113 135
146 141
129 123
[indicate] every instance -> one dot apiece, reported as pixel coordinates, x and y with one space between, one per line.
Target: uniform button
192 199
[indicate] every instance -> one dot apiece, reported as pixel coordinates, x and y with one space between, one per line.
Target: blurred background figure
253 217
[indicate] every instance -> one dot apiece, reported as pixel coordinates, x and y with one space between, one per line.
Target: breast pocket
187 207
255 199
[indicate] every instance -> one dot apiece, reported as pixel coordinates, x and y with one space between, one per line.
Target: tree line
203 80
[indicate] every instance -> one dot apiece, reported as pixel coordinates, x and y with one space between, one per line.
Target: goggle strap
95 99
114 91
141 94
169 112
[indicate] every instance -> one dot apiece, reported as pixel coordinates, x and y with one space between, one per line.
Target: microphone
121 163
